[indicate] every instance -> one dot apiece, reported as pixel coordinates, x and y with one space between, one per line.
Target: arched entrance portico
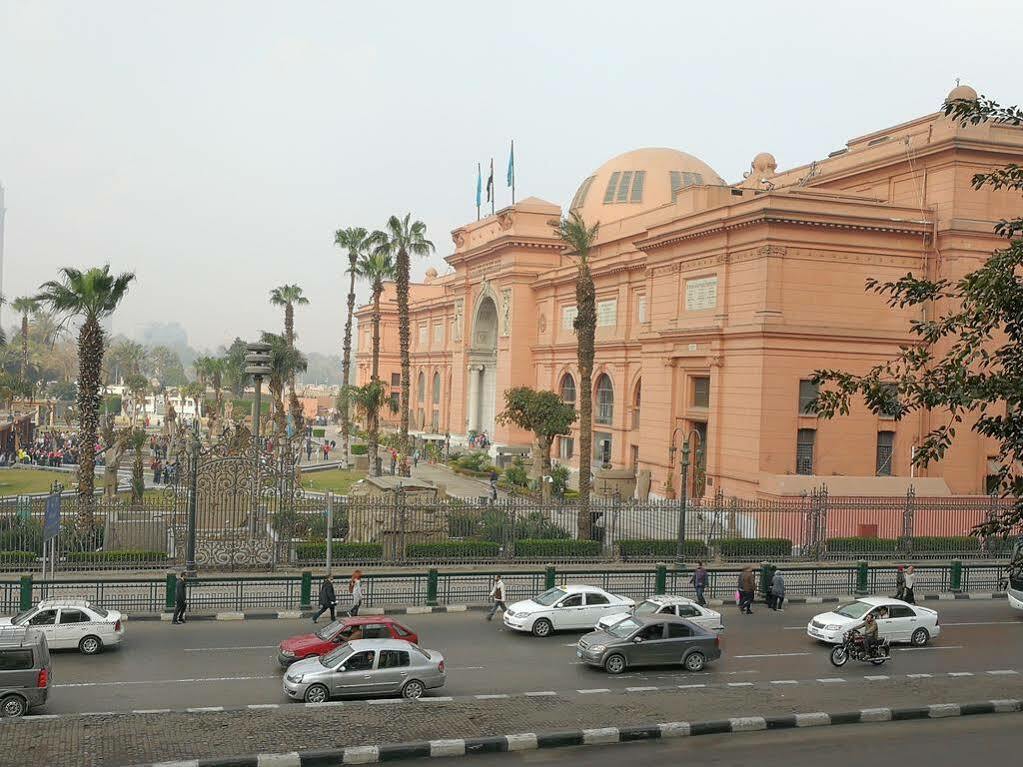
482 373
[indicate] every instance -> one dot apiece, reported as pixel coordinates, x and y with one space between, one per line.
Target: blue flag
511 165
479 185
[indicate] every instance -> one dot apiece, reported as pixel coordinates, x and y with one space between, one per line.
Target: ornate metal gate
245 502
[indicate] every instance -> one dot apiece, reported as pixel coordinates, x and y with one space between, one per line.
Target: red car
340 631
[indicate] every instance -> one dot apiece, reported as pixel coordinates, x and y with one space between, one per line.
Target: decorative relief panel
701 293
456 331
506 311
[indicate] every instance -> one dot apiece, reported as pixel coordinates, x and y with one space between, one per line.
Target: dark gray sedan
657 640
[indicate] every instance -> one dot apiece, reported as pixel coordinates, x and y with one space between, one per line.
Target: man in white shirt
497 594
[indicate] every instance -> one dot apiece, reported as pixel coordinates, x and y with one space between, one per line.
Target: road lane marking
943 647
595 690
920 676
984 623
690 686
166 681
877 677
773 655
491 697
640 689
542 693
960 673
239 647
1002 672
784 681
740 684
466 668
831 680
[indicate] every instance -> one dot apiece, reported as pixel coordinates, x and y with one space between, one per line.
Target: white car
564 607
72 623
896 621
663 604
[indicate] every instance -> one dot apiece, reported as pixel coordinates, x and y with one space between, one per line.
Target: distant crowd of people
52 449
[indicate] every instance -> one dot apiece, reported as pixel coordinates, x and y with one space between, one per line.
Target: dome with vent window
638 181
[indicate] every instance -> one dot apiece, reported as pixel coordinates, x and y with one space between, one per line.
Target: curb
593 737
249 615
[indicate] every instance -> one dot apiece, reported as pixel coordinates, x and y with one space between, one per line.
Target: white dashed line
1002 672
740 684
919 676
690 686
544 693
491 697
784 681
640 689
876 678
774 655
831 680
960 673
591 692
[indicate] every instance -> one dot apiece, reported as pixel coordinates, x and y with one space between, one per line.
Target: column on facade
474 398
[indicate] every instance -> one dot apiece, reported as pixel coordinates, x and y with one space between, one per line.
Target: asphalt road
163 666
942 743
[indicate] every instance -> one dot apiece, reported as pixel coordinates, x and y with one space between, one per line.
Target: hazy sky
214 147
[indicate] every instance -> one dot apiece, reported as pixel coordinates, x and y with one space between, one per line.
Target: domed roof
964 92
638 181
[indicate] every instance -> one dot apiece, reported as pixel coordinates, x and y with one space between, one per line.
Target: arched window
605 399
636 399
436 388
422 386
568 389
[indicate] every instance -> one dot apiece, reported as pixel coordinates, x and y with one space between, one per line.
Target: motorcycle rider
868 630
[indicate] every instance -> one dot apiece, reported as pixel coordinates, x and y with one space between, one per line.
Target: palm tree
193 390
580 238
25 305
289 296
358 242
209 371
135 440
285 362
402 239
92 295
376 268
138 388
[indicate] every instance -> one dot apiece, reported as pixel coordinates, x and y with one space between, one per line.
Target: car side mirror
341 668
637 640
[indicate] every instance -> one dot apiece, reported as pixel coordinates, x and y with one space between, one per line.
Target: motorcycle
855 647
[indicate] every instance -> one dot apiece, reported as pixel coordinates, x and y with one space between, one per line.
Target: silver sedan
366 668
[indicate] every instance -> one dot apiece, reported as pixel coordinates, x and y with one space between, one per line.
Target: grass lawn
335 480
22 481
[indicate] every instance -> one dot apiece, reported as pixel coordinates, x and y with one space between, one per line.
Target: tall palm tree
135 440
25 305
289 296
92 295
358 242
376 268
209 371
580 238
285 362
404 238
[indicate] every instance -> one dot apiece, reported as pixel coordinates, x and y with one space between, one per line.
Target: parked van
24 670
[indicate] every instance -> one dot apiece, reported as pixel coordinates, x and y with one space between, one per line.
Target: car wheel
694 661
615 664
920 637
542 628
413 689
316 693
90 645
13 706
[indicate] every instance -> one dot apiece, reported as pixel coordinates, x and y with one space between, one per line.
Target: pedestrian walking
777 591
180 599
328 599
497 594
748 589
493 486
415 459
699 581
910 597
309 450
355 589
900 583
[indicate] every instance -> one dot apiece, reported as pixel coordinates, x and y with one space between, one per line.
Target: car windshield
549 597
22 615
328 631
646 608
622 629
331 659
853 609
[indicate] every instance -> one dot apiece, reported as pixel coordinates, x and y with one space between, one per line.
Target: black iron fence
403 529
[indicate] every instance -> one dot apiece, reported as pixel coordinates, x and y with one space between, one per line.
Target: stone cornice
503 243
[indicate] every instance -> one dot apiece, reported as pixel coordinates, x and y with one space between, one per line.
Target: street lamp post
257 364
687 438
193 501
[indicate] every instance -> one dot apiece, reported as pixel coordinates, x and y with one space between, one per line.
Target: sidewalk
115 740
457 485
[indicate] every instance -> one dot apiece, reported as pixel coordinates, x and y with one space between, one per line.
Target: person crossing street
497 594
328 599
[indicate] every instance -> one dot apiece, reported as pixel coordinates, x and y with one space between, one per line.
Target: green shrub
666 549
319 432
937 544
534 548
862 545
360 449
15 557
124 555
559 481
571 495
754 547
18 535
516 474
340 552
476 461
453 549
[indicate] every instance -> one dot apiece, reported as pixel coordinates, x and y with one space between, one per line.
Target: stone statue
114 443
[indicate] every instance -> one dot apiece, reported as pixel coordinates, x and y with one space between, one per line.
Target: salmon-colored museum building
715 302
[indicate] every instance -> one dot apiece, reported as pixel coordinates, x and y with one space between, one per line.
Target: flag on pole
479 185
511 165
490 182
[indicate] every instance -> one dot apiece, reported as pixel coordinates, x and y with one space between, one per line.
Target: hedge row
123 555
339 552
10 557
746 547
453 549
359 449
920 544
565 547
660 548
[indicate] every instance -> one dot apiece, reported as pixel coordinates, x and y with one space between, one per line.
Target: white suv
71 623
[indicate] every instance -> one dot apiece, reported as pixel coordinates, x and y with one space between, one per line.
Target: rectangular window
438 334
623 186
804 450
568 314
601 448
612 184
422 335
641 310
607 313
701 392
637 186
395 379
566 448
885 449
15 660
808 392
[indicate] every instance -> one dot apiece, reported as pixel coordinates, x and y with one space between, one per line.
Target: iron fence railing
401 528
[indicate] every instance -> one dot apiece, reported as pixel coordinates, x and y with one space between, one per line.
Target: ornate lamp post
687 439
257 365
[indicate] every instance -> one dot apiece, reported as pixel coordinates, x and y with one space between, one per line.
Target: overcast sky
214 147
